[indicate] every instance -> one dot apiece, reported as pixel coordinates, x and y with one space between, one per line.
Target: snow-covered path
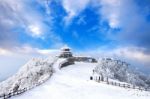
73 82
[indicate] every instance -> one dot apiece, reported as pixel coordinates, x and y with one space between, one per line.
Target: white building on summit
65 52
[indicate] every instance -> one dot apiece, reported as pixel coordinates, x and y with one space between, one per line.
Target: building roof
65 47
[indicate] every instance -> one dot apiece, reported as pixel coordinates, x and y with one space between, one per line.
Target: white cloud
48 11
35 30
134 55
73 8
45 4
4 52
17 13
127 15
20 13
12 59
110 11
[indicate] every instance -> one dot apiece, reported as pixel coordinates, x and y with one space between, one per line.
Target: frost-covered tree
33 72
119 70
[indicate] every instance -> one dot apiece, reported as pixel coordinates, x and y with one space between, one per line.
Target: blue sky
109 23
116 28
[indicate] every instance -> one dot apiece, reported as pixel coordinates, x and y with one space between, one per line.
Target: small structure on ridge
65 52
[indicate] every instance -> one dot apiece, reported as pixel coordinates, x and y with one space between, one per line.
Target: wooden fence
18 92
106 81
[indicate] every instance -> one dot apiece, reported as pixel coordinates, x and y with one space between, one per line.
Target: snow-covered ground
56 66
73 82
33 72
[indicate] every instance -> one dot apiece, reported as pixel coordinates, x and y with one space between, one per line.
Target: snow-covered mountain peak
69 82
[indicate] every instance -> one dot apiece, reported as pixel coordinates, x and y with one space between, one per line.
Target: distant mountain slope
116 69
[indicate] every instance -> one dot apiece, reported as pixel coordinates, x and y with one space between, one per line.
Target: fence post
112 83
107 80
124 85
96 78
99 79
93 71
9 95
140 88
115 83
102 78
4 96
91 78
128 86
133 87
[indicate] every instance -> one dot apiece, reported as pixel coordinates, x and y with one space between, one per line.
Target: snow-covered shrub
35 71
116 69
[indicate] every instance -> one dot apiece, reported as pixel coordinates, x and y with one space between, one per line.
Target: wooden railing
14 93
18 92
10 94
106 81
